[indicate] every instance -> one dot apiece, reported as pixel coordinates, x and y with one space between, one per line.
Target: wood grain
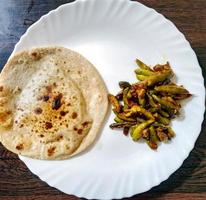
189 182
153 196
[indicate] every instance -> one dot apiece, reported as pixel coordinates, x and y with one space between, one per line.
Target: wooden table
188 182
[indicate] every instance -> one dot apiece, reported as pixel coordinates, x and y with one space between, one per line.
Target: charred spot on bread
41 135
49 88
74 115
35 55
44 98
85 124
51 151
79 131
48 125
60 137
63 113
20 146
38 111
56 103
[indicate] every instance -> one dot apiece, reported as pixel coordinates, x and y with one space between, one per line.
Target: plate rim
55 11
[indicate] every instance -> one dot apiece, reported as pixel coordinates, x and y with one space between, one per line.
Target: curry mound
52 103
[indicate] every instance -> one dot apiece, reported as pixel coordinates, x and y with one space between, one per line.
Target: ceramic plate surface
111 34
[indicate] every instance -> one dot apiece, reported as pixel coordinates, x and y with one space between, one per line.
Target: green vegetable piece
153 110
164 114
118 120
164 103
170 132
121 125
142 101
162 120
172 89
132 128
151 101
171 100
129 95
181 96
124 84
144 72
158 124
125 118
142 65
115 103
141 77
152 80
137 133
116 125
153 135
146 113
151 92
125 98
141 97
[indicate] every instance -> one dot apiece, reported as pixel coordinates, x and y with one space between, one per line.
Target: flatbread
52 103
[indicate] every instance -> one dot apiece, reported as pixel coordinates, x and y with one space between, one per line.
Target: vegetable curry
145 108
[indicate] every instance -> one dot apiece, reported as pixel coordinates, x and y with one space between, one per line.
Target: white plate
111 34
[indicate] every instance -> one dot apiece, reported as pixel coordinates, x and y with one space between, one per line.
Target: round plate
112 34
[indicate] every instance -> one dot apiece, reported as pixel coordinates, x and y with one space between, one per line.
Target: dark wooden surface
189 182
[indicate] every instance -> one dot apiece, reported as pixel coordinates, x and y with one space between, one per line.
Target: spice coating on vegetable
145 108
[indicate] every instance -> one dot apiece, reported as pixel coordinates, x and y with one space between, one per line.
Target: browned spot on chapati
43 98
8 112
80 131
56 103
63 113
74 115
60 137
84 124
38 111
49 88
51 151
35 55
20 146
48 125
